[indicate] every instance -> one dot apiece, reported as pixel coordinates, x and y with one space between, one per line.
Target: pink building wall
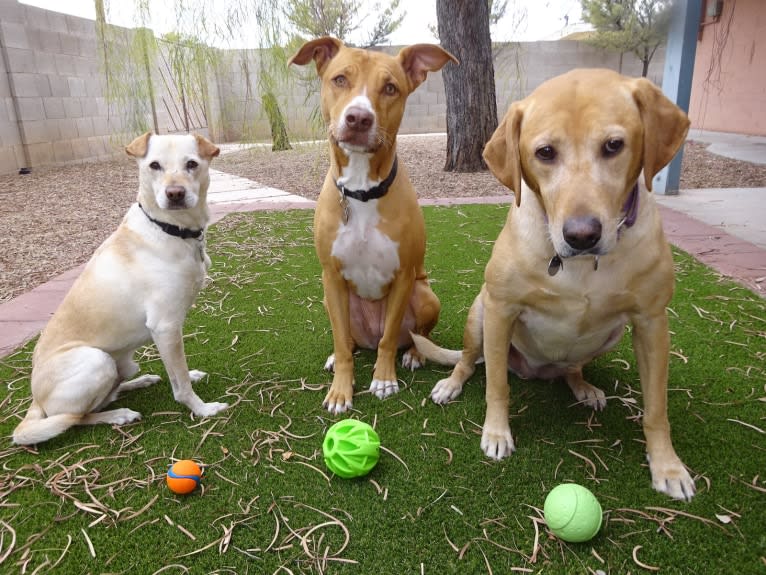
729 84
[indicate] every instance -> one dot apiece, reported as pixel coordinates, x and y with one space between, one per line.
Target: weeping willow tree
192 52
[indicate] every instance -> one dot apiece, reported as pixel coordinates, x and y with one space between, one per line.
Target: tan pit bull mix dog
137 287
582 254
369 231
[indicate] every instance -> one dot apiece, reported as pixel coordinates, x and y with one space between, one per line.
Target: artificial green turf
434 503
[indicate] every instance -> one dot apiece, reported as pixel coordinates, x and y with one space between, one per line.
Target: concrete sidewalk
723 228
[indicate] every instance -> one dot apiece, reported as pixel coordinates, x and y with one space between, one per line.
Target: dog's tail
36 427
433 352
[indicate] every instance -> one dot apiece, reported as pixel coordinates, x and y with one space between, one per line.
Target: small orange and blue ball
183 476
572 513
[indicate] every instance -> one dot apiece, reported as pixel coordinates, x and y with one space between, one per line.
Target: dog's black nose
582 232
175 193
359 119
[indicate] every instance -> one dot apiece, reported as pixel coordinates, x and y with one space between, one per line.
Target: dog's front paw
329 365
210 409
672 478
497 444
383 388
446 390
336 404
412 359
196 375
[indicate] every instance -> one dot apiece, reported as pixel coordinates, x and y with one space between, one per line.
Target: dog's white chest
369 258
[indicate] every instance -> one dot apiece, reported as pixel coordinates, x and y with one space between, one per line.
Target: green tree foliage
344 18
637 26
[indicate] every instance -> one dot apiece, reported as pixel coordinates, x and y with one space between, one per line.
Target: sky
525 20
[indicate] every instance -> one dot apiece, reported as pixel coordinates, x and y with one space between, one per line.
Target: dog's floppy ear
207 149
502 153
138 147
321 50
419 59
665 127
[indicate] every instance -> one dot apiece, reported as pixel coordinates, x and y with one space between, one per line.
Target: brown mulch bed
54 218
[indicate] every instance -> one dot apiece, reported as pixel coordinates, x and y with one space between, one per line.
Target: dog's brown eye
613 146
191 164
340 81
390 89
546 153
155 166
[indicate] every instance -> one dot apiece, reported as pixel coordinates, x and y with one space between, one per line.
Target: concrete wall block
14 33
54 108
9 134
41 131
41 154
427 97
81 26
59 86
65 64
94 86
77 87
437 110
25 85
57 21
80 148
45 62
90 48
21 60
68 129
8 163
63 152
46 40
43 86
14 12
84 67
84 127
4 110
101 126
72 107
31 109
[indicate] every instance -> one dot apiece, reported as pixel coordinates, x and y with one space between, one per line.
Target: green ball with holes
572 513
351 448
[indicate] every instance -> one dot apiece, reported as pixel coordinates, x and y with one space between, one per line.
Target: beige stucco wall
729 85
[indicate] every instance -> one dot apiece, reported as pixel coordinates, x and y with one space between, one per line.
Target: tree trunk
469 87
279 138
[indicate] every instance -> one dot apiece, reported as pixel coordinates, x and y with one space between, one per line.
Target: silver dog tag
555 265
344 204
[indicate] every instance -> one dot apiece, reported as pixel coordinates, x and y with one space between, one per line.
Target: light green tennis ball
351 448
572 512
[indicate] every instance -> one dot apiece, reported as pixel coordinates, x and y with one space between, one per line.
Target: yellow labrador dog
582 254
138 286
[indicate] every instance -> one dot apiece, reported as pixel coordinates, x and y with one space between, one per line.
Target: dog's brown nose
175 193
582 232
359 119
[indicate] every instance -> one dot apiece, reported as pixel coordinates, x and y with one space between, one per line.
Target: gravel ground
54 218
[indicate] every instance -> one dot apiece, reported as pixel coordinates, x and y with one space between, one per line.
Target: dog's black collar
173 230
374 192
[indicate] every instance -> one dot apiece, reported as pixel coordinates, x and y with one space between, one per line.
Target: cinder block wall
53 108
59 111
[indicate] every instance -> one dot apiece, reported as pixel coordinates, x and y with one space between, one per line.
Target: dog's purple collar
630 209
170 229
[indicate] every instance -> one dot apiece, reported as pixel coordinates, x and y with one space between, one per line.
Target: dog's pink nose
359 119
175 193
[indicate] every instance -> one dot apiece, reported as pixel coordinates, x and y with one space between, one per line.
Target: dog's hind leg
66 389
449 388
427 307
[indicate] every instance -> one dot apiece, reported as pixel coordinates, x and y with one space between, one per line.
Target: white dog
138 286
